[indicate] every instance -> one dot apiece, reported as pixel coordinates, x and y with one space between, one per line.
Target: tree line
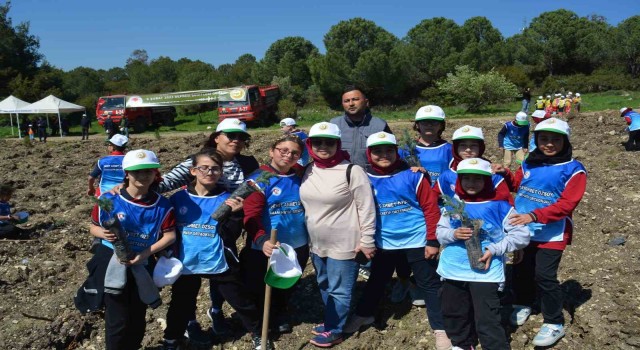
557 50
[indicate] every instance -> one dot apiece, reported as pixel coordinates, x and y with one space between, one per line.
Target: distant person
109 127
526 99
42 129
109 168
633 120
31 132
540 102
289 126
65 126
513 139
85 123
124 126
577 100
356 124
7 220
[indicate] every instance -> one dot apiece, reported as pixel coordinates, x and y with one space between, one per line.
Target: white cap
557 95
119 140
522 119
540 97
288 122
578 94
232 125
624 109
561 96
167 271
556 125
325 129
569 93
84 114
468 132
548 96
430 112
140 159
538 113
381 138
474 166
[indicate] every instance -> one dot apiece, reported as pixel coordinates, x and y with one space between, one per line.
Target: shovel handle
267 300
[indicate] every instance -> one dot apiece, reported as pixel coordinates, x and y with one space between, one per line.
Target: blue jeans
525 106
336 279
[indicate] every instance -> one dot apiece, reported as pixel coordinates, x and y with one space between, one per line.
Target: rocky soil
40 275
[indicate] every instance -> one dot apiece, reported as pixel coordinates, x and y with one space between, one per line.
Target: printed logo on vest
276 191
527 174
183 210
121 216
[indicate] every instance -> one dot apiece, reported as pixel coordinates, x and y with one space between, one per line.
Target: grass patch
309 115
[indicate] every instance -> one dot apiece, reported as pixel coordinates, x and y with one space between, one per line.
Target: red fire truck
257 106
139 117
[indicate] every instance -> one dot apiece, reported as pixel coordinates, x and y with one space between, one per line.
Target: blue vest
514 139
541 187
283 209
434 159
454 262
400 222
142 224
5 210
111 172
635 120
447 182
201 247
304 158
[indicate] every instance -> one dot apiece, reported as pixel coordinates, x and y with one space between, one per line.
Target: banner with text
187 97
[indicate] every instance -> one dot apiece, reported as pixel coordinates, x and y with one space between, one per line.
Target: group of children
560 103
413 223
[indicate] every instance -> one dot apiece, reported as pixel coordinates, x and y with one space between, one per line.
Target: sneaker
356 322
416 298
218 324
326 339
442 340
168 344
318 329
399 291
257 343
364 273
548 335
520 315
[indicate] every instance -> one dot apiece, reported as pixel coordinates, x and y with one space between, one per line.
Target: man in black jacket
85 123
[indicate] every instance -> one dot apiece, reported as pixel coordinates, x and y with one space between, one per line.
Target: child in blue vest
468 142
513 139
109 168
7 220
148 220
434 152
289 126
276 207
632 118
550 184
407 214
206 248
469 297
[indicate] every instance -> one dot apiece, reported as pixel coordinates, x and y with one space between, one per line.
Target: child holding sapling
147 227
469 296
207 249
550 184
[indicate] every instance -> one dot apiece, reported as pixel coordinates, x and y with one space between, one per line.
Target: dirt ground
40 275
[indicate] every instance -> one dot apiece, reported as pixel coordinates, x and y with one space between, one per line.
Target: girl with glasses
277 207
204 249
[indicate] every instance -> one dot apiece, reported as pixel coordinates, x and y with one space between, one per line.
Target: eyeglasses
318 142
285 152
237 136
204 170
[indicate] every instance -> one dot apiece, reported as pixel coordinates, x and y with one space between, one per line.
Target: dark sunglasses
317 142
237 136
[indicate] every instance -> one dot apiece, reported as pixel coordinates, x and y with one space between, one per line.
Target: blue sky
102 34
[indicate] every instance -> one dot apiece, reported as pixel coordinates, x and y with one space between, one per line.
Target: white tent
11 105
52 104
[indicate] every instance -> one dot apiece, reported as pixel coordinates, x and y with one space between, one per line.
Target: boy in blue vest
550 185
406 214
289 126
109 168
148 221
632 118
513 139
469 297
7 220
